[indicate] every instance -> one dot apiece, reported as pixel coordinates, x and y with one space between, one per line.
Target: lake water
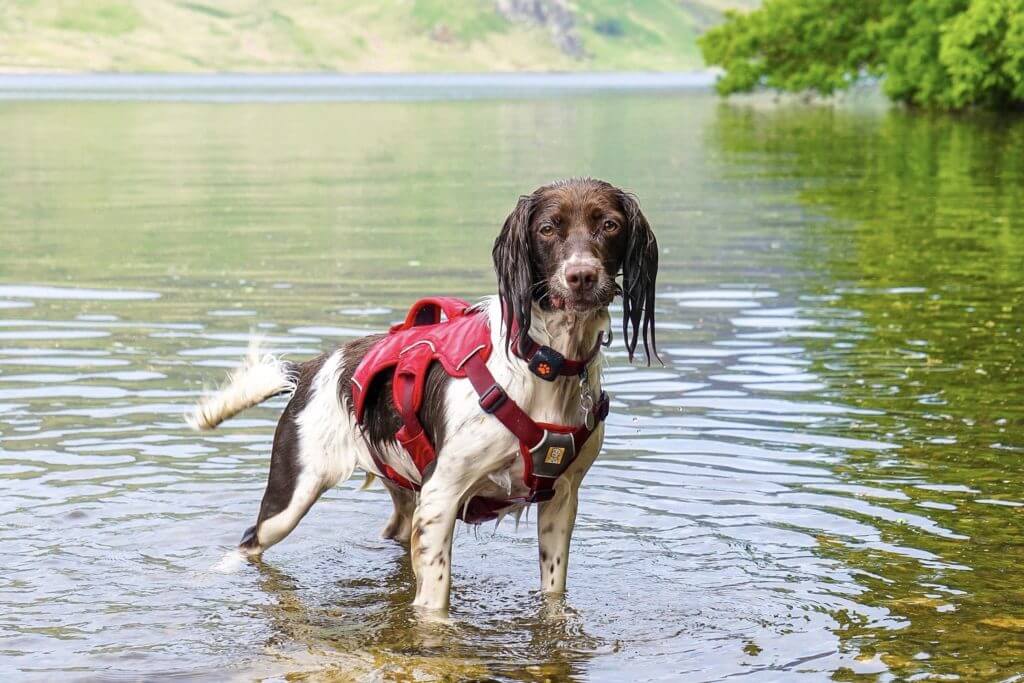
824 479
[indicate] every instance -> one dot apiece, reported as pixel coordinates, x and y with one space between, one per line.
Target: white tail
260 377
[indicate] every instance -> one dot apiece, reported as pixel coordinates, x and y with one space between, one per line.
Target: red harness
462 344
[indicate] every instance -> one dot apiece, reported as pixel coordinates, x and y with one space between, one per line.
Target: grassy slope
353 36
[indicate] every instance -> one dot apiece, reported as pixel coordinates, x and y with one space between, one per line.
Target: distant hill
355 35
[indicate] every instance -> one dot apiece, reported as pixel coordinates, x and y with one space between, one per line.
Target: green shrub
948 54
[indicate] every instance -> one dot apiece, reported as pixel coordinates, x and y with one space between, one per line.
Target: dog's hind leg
292 488
399 527
276 522
312 452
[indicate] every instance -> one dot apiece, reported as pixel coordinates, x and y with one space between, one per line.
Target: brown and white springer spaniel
557 259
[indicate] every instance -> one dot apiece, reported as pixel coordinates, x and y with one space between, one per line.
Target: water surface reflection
820 480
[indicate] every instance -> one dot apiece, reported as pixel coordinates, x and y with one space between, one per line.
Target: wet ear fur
639 275
513 263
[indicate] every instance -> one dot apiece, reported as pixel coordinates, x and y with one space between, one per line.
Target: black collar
549 364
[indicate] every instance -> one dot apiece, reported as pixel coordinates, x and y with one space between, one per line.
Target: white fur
327 433
274 529
260 376
479 456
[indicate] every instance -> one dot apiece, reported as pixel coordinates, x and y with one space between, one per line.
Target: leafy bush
947 54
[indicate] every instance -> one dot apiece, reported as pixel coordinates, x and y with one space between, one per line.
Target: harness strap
494 401
547 452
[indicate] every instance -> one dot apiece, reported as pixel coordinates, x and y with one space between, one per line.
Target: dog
557 258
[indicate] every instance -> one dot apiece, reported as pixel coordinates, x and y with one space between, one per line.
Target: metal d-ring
586 400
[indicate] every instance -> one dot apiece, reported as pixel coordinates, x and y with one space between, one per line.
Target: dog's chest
489 453
559 402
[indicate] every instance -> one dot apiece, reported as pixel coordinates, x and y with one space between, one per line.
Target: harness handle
428 311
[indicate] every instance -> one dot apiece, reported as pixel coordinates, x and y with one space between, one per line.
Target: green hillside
355 35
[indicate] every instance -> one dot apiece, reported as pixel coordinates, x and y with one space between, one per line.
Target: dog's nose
581 278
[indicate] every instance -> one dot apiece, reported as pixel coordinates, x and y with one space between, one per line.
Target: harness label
555 455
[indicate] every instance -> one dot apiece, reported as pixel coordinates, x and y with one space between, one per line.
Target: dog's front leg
433 525
554 532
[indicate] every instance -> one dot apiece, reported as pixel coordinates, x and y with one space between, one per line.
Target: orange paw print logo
544 369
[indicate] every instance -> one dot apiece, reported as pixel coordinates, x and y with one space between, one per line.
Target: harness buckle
492 399
553 454
546 363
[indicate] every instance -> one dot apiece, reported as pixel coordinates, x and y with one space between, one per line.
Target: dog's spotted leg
554 532
399 527
433 525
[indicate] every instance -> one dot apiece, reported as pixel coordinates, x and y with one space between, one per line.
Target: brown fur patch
284 458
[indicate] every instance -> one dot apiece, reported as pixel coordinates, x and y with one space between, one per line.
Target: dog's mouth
561 299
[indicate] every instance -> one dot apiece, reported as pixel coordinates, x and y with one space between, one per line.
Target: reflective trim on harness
538 444
470 355
426 342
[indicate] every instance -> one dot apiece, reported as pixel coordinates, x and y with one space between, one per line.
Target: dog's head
564 245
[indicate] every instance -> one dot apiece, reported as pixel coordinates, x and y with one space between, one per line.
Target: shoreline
244 87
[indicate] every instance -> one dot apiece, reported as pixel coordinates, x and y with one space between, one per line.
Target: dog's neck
573 334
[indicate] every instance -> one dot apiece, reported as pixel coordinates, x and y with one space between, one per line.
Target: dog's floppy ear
639 274
513 263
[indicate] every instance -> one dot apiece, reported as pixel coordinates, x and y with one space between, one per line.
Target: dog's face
578 237
564 245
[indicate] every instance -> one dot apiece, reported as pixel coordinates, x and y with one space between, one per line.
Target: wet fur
524 266
380 424
318 442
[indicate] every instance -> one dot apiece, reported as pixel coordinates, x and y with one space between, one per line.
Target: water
822 481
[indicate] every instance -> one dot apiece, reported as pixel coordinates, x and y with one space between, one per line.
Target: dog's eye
610 226
547 229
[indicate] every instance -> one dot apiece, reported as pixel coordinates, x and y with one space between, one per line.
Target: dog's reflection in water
368 628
